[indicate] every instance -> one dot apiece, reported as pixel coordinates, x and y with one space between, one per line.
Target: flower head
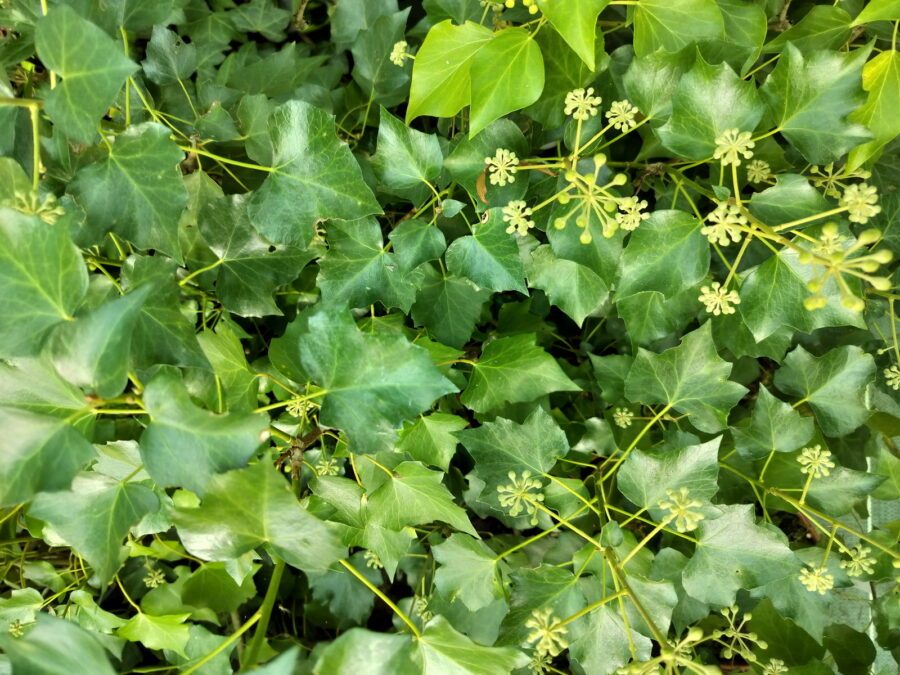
299 407
530 4
154 579
547 635
420 608
372 560
327 466
719 300
725 224
860 561
733 144
502 167
16 628
517 214
892 377
623 417
521 494
681 509
48 210
831 241
861 201
774 667
815 461
581 104
817 579
621 115
400 53
631 213
759 171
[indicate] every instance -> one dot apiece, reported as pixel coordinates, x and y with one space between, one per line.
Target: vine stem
385 599
234 637
637 439
251 656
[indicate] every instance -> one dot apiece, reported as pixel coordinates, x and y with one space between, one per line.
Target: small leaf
431 439
158 632
577 23
881 78
169 59
878 10
449 307
406 159
489 256
774 427
574 288
469 571
672 24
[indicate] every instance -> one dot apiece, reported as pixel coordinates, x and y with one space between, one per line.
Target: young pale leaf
247 508
691 378
315 177
577 23
50 647
92 67
774 427
186 446
406 160
42 281
574 288
489 256
878 10
672 24
158 632
881 78
94 516
442 650
469 571
513 370
833 385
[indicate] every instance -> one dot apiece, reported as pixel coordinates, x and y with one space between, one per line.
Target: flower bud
815 285
881 283
585 237
571 175
564 198
805 258
853 303
883 256
559 223
620 179
599 160
869 236
814 302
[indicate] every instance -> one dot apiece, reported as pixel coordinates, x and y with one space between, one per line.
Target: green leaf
185 446
774 427
237 385
366 652
823 27
41 454
246 508
51 646
513 370
373 70
469 571
169 59
651 81
213 586
670 25
373 381
878 10
416 242
441 80
541 587
574 288
94 517
352 16
746 25
261 16
691 378
809 98
791 198
315 177
431 439
833 385
507 75
136 190
502 446
92 67
666 253
881 78
649 316
414 495
359 271
407 160
449 307
708 101
735 553
646 476
42 281
576 23
93 351
158 632
605 644
442 650
489 256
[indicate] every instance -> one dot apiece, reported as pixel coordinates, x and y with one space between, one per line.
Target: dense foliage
447 337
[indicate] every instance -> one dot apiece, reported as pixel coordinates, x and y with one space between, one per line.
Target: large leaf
52 645
881 79
449 307
406 160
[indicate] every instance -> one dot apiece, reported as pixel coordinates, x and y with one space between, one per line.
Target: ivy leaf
469 571
878 10
406 159
809 98
315 177
93 351
442 650
513 370
261 16
574 288
672 24
649 316
833 385
246 508
92 67
545 586
51 642
605 644
691 378
373 70
791 198
414 495
136 190
746 25
823 27
94 516
158 632
708 101
353 16
373 382
502 446
449 306
441 79
646 476
42 281
358 270
735 553
366 652
651 81
225 352
431 439
54 398
774 427
489 256
881 78
169 59
577 24
186 446
416 242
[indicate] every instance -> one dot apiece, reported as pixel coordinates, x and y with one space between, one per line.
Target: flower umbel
681 509
400 53
815 461
581 104
531 5
735 639
47 210
631 213
621 115
860 561
759 171
521 494
861 201
719 300
547 635
817 580
372 560
517 214
725 225
623 417
733 144
154 578
892 377
502 167
774 667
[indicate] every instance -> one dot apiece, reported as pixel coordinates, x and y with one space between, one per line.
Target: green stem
234 637
385 599
197 273
251 656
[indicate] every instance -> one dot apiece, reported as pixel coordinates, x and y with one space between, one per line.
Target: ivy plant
449 336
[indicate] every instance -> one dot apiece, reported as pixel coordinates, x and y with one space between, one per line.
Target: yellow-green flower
631 213
518 215
861 202
817 580
725 223
681 509
733 144
815 461
892 377
581 104
547 635
400 53
860 561
623 417
759 171
502 167
520 494
621 115
719 300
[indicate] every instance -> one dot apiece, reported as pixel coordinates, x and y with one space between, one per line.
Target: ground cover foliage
366 336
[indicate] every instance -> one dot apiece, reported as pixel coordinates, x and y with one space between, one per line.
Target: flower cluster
621 115
547 634
400 53
892 377
682 509
581 104
623 417
726 221
736 641
860 561
759 171
502 167
815 461
521 494
861 202
631 213
719 300
372 560
518 215
49 209
817 579
592 200
733 144
154 578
